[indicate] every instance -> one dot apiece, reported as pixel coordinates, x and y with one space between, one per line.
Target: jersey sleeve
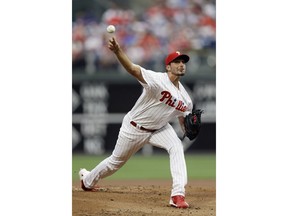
152 79
189 109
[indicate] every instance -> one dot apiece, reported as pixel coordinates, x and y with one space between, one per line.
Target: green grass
199 166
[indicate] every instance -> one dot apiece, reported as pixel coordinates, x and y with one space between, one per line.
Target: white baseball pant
130 140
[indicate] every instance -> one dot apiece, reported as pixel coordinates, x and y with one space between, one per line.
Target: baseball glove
192 124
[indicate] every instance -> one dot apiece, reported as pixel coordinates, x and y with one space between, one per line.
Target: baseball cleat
94 189
82 173
178 202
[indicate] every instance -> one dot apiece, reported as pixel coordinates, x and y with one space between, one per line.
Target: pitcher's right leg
130 140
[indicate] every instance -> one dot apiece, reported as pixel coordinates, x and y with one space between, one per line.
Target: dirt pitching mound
145 197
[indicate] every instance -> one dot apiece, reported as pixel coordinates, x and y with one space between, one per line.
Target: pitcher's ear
168 67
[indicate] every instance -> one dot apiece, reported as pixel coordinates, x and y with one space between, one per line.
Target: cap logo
178 52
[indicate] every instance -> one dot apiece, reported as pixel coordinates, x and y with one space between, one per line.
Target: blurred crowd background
147 30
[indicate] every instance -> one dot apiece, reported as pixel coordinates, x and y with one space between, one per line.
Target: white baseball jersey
160 101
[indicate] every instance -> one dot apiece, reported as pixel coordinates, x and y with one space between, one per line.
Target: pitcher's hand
113 45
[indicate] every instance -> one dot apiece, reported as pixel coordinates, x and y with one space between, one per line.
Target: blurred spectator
117 16
166 26
78 39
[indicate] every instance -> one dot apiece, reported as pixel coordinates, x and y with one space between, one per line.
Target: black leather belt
141 128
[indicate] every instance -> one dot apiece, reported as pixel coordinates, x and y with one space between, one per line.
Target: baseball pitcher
162 99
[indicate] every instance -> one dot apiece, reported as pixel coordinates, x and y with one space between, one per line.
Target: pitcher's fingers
112 40
111 47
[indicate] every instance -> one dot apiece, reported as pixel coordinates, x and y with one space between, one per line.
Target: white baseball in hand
111 29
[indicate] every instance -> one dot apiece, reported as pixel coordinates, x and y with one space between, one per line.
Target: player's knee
176 150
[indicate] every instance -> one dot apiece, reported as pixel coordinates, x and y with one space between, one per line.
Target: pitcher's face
177 67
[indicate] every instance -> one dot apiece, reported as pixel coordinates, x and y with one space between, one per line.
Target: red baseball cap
172 56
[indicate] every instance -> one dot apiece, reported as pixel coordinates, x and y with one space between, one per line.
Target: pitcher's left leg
166 138
178 169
